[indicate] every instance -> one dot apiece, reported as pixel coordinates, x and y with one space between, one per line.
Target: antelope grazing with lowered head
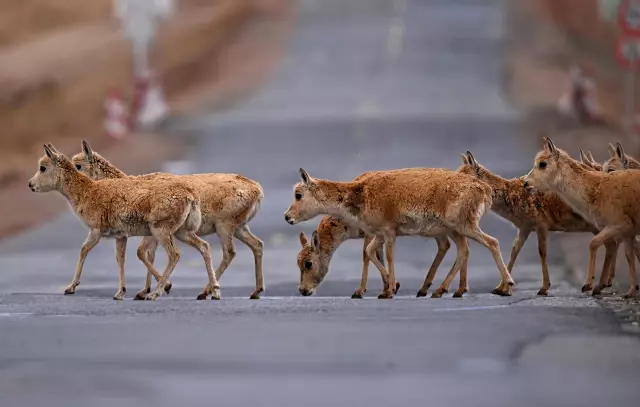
414 201
528 212
608 201
316 253
228 203
335 231
118 208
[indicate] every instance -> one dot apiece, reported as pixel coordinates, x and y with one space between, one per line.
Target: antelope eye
43 168
542 164
298 196
307 265
78 167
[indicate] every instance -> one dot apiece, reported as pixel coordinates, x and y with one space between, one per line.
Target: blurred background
262 88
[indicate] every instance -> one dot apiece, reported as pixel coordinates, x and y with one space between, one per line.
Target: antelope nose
305 292
287 218
526 184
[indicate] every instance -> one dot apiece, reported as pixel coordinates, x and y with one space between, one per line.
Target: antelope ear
549 146
583 157
303 239
612 150
472 160
305 177
86 148
315 241
48 150
621 155
465 161
590 157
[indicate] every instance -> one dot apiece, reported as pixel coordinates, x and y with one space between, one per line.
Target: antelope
415 201
335 231
316 253
607 200
587 160
228 201
540 212
617 161
119 208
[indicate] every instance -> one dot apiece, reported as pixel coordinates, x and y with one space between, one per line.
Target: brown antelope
416 201
316 253
540 212
608 201
228 203
587 160
118 208
618 160
330 243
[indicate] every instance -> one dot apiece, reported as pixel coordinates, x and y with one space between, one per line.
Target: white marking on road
476 308
14 314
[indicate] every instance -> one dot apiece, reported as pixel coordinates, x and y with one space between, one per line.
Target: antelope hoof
586 287
385 295
119 296
70 290
438 293
142 294
167 287
215 294
152 296
202 296
543 292
597 291
397 287
357 295
421 293
501 292
631 293
256 294
459 293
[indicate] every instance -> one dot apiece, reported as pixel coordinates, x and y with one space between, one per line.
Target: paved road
366 84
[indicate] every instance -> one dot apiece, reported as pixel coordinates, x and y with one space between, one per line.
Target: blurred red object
116 124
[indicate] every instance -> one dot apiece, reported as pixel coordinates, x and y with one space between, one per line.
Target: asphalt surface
365 85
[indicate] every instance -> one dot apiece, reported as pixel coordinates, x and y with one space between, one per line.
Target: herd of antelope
559 194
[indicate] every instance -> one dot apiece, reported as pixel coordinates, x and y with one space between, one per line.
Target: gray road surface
366 84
